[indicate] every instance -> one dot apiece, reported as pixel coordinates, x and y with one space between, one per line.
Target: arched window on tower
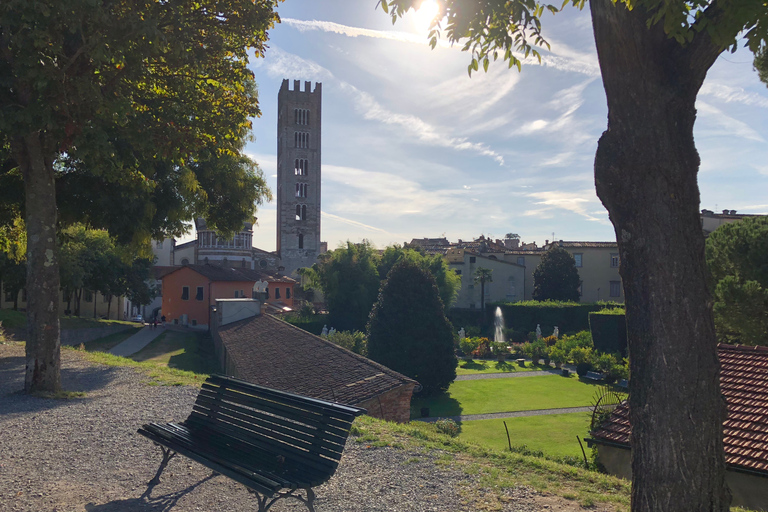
303 212
297 167
296 139
301 241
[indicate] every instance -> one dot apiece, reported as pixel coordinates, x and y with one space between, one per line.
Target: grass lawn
189 351
107 342
476 366
553 434
505 395
13 319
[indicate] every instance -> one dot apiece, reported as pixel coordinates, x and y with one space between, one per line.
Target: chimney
726 212
546 242
733 212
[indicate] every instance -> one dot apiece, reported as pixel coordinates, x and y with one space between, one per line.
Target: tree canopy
408 331
138 103
556 277
737 259
350 278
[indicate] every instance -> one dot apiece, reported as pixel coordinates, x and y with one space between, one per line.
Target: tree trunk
95 302
78 296
43 351
109 305
645 174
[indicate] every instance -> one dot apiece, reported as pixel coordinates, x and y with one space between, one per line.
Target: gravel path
84 455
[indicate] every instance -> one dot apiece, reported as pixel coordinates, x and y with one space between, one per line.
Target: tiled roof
592 245
216 273
273 353
744 383
160 271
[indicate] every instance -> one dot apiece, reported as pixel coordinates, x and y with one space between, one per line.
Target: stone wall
394 405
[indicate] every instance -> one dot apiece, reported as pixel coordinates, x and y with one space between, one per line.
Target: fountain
498 323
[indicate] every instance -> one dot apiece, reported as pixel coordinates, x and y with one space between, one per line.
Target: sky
413 147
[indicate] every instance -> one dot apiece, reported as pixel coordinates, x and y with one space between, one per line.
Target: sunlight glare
424 15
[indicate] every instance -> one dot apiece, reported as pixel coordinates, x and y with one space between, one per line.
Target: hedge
609 333
313 324
569 317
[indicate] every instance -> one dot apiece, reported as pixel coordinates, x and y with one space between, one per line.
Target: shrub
582 368
354 341
549 340
468 345
483 348
581 355
558 355
448 426
500 347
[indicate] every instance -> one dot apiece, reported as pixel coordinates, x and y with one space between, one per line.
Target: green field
505 395
476 366
553 434
189 351
108 342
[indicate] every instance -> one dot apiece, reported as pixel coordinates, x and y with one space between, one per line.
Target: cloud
354 223
562 57
579 202
721 124
733 95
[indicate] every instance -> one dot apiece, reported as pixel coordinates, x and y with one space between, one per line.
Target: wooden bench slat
332 433
262 484
323 407
269 405
310 435
290 452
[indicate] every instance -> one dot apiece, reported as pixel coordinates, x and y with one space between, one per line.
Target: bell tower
298 175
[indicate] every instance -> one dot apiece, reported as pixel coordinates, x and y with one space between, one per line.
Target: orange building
191 290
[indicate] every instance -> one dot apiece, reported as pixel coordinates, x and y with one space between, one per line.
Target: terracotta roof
217 273
744 383
273 353
575 245
160 271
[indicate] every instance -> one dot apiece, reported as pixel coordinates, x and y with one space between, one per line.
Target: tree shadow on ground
86 380
441 405
146 503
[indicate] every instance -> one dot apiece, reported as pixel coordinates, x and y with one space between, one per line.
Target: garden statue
462 333
538 331
332 331
556 333
324 332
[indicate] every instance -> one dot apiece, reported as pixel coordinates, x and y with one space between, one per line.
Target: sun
425 13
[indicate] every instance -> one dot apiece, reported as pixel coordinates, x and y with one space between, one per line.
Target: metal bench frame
275 443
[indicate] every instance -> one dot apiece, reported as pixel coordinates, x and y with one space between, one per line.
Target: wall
532 260
86 308
596 273
174 306
282 286
749 490
394 405
497 290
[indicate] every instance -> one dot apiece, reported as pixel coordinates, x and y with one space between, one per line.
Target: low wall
394 405
75 336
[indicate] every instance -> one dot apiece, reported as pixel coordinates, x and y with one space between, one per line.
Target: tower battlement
284 87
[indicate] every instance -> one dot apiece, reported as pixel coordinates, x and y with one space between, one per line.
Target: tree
350 282
737 260
408 331
556 277
761 63
653 57
482 276
118 90
13 248
448 282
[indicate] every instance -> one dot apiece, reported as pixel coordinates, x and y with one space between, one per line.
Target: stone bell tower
298 175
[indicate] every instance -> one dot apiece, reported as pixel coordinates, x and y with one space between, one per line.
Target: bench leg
265 502
168 454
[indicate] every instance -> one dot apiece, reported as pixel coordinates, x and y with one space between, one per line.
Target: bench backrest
283 429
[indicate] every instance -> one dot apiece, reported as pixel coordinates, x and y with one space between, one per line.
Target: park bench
598 377
275 443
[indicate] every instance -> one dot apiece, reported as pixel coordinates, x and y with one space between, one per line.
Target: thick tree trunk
43 341
109 306
95 302
645 173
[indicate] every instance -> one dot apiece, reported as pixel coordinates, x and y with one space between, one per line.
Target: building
598 266
92 304
265 350
744 384
298 175
508 279
190 291
710 220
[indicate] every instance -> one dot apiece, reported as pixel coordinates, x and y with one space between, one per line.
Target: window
577 258
277 293
184 261
300 167
301 139
199 295
511 288
263 263
615 288
301 241
185 293
287 293
237 294
521 260
266 292
301 212
458 272
205 260
472 259
300 116
614 260
301 190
